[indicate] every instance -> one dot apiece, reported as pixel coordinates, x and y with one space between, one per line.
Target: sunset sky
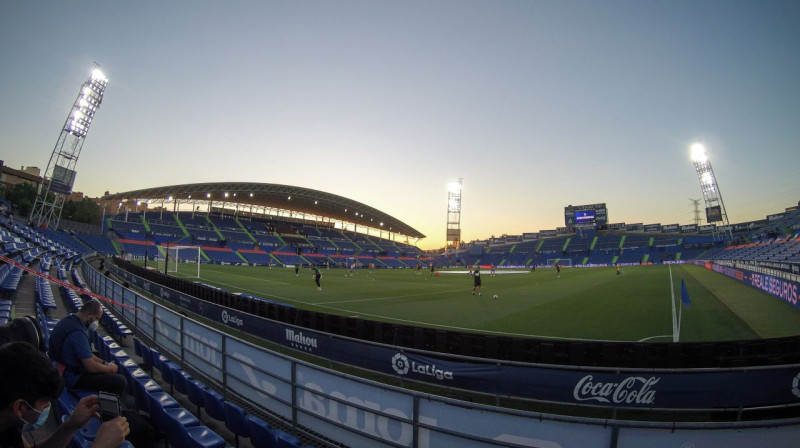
536 105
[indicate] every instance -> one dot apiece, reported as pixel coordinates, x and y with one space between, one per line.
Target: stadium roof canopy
297 200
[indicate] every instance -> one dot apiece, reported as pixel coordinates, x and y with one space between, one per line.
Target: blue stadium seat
147 358
137 347
177 420
202 437
157 403
142 391
194 391
235 420
286 440
169 372
261 435
180 379
213 404
264 436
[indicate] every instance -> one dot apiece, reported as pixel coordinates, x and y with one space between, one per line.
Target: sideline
674 319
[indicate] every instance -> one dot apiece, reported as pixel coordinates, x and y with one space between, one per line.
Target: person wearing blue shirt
69 347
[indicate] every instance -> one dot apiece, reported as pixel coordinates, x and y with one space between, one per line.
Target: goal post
560 261
183 255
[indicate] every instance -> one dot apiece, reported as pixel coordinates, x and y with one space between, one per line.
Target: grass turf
581 303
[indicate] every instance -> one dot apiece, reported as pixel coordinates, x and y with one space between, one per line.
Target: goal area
560 261
184 260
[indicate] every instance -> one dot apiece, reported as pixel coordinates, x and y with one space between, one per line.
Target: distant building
10 177
27 174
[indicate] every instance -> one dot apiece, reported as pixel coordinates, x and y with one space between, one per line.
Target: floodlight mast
454 213
59 176
715 207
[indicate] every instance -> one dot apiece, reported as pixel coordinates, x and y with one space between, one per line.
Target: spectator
69 347
30 383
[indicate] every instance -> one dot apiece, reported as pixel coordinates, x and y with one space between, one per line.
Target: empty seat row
44 294
241 424
177 423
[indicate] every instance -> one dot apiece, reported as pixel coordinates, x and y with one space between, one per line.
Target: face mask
93 326
43 414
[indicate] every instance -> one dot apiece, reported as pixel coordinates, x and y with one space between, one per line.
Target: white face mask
93 326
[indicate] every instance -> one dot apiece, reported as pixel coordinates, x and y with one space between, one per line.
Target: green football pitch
580 303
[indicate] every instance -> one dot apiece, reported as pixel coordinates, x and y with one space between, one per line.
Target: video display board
62 181
586 215
713 214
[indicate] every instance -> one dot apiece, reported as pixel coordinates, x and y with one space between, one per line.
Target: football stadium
591 335
199 307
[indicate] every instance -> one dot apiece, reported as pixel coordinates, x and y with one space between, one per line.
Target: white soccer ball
495 296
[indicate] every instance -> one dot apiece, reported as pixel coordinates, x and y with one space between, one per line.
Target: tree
82 211
22 197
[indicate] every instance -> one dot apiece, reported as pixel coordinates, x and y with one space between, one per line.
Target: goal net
184 260
560 261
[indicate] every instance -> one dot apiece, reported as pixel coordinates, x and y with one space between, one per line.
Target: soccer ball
495 297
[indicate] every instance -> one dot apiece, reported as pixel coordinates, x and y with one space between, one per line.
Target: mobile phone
109 406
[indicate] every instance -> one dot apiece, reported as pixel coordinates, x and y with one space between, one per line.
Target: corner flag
685 294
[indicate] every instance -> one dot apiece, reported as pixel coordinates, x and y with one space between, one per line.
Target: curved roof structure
282 197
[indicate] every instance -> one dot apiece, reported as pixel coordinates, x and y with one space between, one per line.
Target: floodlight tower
715 208
454 212
59 176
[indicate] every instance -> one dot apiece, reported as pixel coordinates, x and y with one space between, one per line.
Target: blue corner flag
685 294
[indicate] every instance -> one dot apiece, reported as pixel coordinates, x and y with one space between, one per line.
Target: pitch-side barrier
359 412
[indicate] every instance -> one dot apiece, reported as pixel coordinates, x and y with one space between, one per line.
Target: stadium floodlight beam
59 176
699 153
715 207
454 213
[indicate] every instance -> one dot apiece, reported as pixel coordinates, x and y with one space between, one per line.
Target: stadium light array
699 153
715 207
454 186
454 212
89 99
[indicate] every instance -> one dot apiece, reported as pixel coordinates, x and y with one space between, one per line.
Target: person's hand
114 367
112 433
84 410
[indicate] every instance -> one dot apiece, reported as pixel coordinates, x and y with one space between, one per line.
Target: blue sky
535 104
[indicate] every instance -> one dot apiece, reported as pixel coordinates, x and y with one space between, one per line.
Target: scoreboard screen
583 217
586 215
713 214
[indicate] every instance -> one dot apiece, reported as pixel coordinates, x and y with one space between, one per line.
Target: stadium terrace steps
215 228
180 224
145 223
246 232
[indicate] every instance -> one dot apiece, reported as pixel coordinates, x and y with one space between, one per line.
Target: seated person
69 347
30 383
